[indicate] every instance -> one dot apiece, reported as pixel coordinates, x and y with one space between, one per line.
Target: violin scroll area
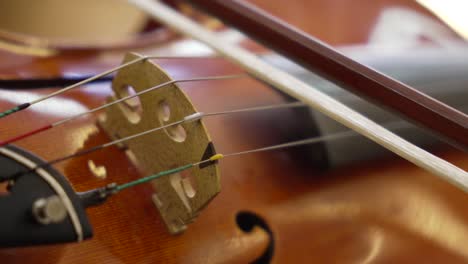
180 197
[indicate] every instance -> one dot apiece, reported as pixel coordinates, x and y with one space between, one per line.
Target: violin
273 206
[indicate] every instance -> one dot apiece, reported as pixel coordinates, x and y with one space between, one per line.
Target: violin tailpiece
178 197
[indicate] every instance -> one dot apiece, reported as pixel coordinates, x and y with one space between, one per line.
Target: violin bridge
179 197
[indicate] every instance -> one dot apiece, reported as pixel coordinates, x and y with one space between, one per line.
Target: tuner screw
49 210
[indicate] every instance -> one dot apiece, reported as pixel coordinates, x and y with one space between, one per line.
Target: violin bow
317 56
312 54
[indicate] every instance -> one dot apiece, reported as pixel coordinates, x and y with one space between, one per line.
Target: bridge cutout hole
131 107
176 183
188 183
176 132
164 111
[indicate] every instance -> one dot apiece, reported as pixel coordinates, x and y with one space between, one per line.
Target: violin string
104 192
24 106
117 188
190 118
65 89
120 100
219 156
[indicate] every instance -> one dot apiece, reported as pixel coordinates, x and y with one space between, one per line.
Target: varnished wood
353 204
385 211
309 94
164 149
448 122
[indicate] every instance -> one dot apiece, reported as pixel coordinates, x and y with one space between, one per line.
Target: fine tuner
204 148
47 210
154 122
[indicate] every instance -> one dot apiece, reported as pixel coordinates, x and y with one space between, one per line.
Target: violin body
274 206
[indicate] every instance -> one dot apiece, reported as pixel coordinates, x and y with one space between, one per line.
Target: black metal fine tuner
40 207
